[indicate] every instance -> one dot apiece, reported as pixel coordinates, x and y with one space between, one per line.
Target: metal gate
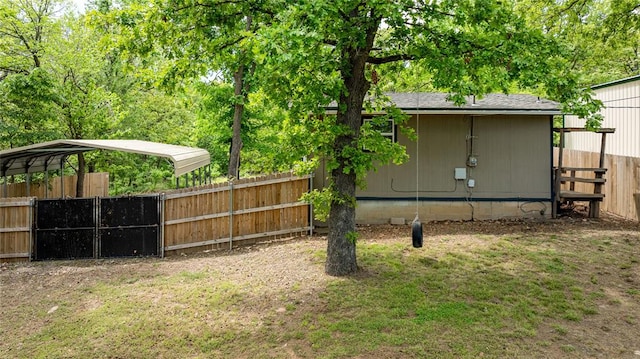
65 228
97 227
129 226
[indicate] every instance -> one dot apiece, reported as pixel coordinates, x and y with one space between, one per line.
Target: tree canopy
601 35
251 79
323 51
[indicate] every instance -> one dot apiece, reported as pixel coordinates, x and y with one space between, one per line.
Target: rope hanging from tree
416 225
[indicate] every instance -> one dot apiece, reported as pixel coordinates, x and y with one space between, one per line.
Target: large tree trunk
80 174
240 90
341 250
236 137
341 246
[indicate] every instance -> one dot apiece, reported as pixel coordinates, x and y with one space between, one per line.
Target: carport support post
46 177
28 184
62 176
28 175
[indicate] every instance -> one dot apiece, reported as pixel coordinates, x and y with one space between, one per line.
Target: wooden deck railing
563 194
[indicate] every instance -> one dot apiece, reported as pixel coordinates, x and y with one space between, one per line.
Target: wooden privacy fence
622 188
225 213
16 219
198 218
95 184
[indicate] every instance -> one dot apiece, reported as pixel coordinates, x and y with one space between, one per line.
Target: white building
621 99
622 151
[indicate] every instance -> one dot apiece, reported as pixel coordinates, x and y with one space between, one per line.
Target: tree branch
6 71
391 58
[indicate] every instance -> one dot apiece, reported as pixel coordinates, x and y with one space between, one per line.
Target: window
387 128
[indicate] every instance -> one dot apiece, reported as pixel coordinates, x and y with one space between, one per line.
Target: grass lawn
497 289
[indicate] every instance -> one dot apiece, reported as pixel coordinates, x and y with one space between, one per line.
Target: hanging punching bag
416 233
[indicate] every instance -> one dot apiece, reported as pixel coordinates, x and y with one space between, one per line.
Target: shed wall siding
514 159
513 175
622 112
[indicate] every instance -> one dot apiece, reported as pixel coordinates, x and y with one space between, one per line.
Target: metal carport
46 156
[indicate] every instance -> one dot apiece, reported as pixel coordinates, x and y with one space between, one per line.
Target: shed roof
490 104
49 155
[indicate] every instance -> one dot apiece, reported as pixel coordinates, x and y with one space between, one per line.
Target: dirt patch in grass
568 287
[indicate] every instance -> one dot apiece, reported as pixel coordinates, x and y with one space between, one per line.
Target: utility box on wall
460 173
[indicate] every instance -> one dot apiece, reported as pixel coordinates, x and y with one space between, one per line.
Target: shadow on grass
488 301
450 299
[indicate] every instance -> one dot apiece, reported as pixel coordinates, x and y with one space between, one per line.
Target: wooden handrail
582 129
584 169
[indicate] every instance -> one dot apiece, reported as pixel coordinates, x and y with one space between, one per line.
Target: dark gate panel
127 242
68 243
130 226
65 228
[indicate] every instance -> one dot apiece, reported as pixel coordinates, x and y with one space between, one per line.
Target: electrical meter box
460 173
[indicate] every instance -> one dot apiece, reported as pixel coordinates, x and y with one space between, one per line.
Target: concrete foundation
384 212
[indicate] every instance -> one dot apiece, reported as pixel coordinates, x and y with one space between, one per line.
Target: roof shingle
437 102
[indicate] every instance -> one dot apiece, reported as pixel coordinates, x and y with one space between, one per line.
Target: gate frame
97 227
34 226
160 225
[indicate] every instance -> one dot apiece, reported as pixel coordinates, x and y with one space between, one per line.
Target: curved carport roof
50 155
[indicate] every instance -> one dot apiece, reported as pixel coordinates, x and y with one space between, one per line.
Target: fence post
230 214
311 206
97 216
161 200
32 203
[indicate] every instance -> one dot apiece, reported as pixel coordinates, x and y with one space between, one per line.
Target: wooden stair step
582 180
580 196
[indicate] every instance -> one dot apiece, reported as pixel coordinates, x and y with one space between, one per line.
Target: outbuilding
490 158
621 100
